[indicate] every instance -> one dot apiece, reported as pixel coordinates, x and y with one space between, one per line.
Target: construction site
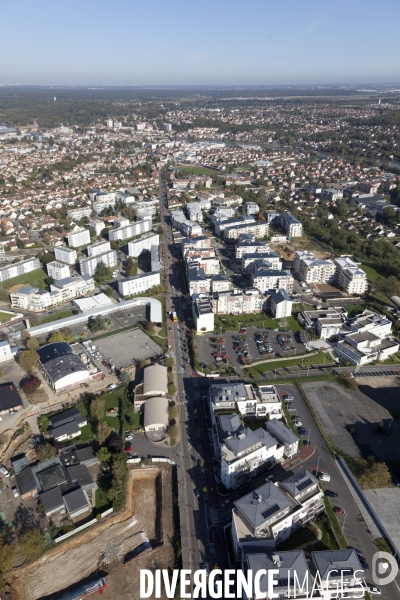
114 550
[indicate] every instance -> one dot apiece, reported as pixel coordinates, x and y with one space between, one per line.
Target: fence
67 535
163 459
132 461
368 506
106 512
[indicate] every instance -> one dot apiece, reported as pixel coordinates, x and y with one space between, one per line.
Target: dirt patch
14 288
103 547
287 251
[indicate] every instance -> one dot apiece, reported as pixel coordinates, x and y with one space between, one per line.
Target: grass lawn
61 315
300 537
370 271
102 503
36 279
6 316
314 359
188 170
87 434
233 322
352 311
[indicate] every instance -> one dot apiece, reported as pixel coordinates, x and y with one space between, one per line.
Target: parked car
373 589
129 435
226 503
111 386
197 493
4 471
331 494
338 511
15 492
364 564
356 550
302 431
128 448
288 398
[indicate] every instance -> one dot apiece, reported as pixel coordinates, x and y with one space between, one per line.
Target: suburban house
67 425
10 400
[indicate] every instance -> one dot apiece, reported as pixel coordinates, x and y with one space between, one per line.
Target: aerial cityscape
200 305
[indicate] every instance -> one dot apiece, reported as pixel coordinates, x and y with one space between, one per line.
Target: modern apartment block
238 302
78 213
350 277
259 229
98 248
187 227
269 279
291 226
97 225
57 270
210 266
250 247
78 238
129 231
314 270
33 299
198 283
88 266
249 401
138 284
268 258
16 269
155 259
66 254
203 315
143 244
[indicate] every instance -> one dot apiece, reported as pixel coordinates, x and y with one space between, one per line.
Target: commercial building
89 265
291 226
138 284
57 270
99 247
20 268
66 254
129 231
143 244
203 315
61 367
327 322
79 237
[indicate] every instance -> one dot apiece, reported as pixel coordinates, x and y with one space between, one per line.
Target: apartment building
350 277
97 225
238 302
201 241
188 228
99 247
33 299
129 231
251 208
5 352
143 244
77 214
155 258
102 200
78 238
20 268
291 226
269 279
121 222
203 314
57 270
89 265
193 252
138 284
336 566
285 436
194 212
259 229
267 258
250 247
210 266
332 194
279 302
220 283
66 254
222 224
198 283
314 270
274 510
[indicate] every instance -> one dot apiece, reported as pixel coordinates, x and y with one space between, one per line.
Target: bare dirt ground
287 251
102 548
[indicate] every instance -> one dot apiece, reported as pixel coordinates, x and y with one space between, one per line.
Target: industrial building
61 367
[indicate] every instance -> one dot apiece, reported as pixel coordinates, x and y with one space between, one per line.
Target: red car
128 448
338 511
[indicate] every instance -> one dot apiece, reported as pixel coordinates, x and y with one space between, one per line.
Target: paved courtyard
124 349
386 503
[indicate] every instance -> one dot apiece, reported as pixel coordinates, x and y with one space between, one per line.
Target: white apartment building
198 282
97 225
281 303
155 259
98 248
78 213
33 299
88 266
66 254
198 242
121 222
238 302
210 266
194 252
138 284
188 228
5 352
20 268
269 279
259 229
131 230
194 212
271 258
203 314
102 200
291 226
250 247
220 283
350 277
316 270
251 208
143 244
57 270
81 237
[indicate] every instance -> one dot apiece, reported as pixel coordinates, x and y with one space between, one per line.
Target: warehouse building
61 367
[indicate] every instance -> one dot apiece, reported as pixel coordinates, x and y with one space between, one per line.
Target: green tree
8 554
32 344
173 412
108 291
56 336
173 430
103 431
169 362
116 493
45 451
102 273
171 388
31 544
103 454
97 409
28 360
98 324
125 378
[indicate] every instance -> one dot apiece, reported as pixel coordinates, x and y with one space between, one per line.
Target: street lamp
308 440
318 465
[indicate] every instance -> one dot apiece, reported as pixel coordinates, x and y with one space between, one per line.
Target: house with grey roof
76 502
335 566
292 570
284 435
52 501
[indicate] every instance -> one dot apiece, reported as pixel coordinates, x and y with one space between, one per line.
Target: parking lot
127 348
238 348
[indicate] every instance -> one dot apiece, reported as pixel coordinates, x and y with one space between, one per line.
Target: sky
212 42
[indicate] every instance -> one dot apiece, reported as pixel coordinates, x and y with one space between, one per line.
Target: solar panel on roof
304 484
270 511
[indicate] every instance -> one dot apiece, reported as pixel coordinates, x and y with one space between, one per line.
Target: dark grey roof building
51 477
26 483
61 366
52 500
76 502
260 507
340 561
299 484
79 474
287 563
19 463
9 397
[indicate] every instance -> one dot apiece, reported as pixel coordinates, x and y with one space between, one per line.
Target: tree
98 324
31 384
173 412
103 431
28 360
115 443
149 326
102 273
25 334
117 491
103 454
56 336
169 362
173 430
8 554
124 376
171 388
32 544
348 381
97 408
32 343
45 451
108 291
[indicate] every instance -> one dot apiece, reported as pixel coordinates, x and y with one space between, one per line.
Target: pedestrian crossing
213 516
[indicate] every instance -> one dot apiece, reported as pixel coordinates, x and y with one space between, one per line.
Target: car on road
4 471
364 565
331 494
226 503
297 421
373 589
15 492
111 386
104 363
129 435
128 448
302 430
288 398
197 493
357 551
338 511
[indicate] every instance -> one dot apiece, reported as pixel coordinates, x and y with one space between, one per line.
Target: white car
15 492
4 471
111 386
373 589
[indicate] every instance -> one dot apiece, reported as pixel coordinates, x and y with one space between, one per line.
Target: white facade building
97 225
88 266
350 277
291 225
80 237
203 314
20 268
57 270
98 248
5 352
314 270
269 279
66 254
131 230
138 284
64 290
143 244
